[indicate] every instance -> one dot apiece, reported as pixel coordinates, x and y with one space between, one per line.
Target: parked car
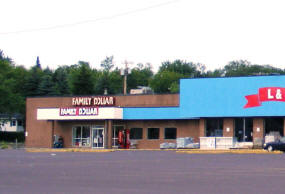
275 145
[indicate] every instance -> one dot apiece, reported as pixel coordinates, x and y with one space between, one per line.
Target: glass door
115 135
97 137
243 129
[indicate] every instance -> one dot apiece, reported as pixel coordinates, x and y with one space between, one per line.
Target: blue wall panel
151 113
216 97
225 97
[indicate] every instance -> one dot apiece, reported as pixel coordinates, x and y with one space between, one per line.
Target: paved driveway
140 172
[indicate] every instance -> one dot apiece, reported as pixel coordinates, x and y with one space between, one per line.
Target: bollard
16 143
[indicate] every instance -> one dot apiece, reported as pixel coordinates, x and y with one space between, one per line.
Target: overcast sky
212 32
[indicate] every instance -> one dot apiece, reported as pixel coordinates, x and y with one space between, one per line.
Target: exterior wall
185 128
40 133
202 127
228 127
64 129
258 132
163 100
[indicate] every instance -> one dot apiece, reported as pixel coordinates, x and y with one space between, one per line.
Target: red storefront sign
265 94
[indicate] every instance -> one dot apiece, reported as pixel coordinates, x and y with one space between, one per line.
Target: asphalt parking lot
140 172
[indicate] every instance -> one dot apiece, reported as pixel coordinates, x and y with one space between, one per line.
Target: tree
188 69
47 86
167 78
245 68
82 80
139 76
162 81
107 63
11 100
215 73
32 82
60 78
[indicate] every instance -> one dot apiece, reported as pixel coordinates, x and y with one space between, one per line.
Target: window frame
81 138
13 123
170 128
141 135
148 133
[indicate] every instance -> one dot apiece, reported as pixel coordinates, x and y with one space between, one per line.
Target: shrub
12 136
3 145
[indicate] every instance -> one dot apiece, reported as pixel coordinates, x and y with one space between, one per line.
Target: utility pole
125 72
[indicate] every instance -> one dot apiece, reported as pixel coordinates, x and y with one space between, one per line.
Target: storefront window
153 133
136 133
243 129
214 127
81 136
170 133
274 125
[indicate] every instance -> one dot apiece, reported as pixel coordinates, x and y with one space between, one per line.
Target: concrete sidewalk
184 151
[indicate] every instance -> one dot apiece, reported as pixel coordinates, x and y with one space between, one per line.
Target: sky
211 32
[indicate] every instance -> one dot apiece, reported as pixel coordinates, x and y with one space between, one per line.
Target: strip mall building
247 108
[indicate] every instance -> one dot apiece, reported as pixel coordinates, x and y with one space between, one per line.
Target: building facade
11 124
246 108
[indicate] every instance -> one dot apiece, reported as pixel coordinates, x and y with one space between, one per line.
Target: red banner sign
265 94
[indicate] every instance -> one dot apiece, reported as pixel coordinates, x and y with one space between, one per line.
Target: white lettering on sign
97 101
68 111
81 101
87 111
79 111
278 94
103 101
269 94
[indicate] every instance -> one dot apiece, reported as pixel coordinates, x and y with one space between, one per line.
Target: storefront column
109 126
283 126
51 132
202 128
228 127
258 132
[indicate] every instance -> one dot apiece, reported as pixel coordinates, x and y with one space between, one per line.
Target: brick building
246 108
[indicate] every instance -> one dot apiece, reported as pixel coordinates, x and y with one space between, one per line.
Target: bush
3 145
12 136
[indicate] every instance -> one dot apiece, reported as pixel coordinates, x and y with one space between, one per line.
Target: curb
184 151
68 150
241 151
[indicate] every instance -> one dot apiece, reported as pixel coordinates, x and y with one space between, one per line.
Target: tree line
17 82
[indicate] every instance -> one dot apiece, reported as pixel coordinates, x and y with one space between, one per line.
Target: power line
91 20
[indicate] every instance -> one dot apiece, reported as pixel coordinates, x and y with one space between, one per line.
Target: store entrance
243 129
115 135
98 137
